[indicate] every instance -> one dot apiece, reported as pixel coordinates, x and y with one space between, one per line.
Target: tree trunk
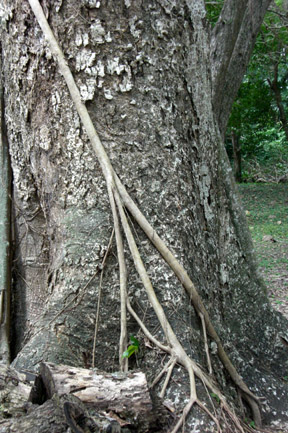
143 70
236 156
231 50
274 86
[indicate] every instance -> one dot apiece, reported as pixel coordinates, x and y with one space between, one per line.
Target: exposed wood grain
122 393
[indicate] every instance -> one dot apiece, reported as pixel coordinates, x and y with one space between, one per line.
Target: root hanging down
119 201
99 298
174 346
123 362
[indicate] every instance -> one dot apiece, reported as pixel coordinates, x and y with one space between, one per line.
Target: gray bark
47 418
14 393
144 73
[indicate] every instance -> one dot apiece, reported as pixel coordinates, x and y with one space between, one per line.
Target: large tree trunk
143 69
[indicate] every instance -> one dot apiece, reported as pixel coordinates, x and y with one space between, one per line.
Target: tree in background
275 40
158 85
258 130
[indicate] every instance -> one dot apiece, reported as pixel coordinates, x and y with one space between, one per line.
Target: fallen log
85 400
126 394
14 392
47 418
120 397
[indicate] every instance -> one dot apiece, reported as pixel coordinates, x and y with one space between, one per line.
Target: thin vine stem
99 298
123 362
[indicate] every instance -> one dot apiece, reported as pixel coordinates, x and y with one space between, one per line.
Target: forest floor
266 207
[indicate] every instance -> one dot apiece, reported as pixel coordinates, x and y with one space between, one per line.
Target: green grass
266 207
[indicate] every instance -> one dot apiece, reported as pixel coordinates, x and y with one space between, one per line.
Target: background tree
143 71
275 35
254 124
258 121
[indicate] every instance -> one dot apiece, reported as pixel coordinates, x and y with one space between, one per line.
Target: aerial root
194 297
254 407
178 355
99 298
168 369
163 371
213 417
185 412
206 343
168 376
123 362
174 347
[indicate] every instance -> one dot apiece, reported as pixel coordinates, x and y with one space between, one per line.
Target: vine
119 201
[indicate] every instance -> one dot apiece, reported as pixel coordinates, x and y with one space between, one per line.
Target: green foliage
213 10
216 397
133 348
251 423
255 116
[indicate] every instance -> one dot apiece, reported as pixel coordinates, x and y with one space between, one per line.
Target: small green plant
215 396
250 423
133 348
